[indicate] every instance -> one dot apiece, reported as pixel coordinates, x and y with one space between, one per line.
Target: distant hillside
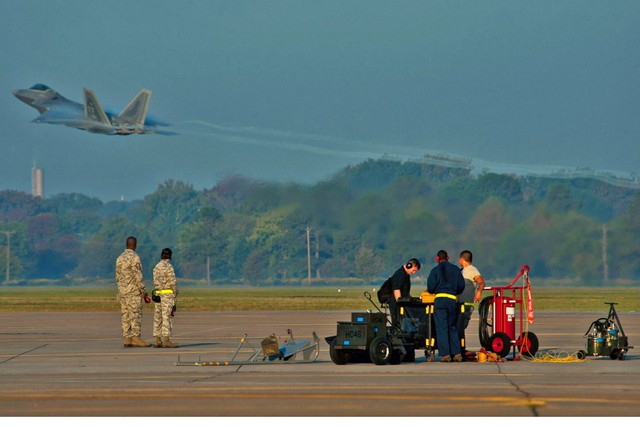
591 194
360 224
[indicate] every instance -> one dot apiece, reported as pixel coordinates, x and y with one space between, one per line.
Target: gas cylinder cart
269 352
605 337
499 314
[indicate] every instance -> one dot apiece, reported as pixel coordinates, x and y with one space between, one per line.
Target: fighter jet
58 110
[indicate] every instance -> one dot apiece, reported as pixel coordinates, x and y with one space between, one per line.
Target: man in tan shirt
131 293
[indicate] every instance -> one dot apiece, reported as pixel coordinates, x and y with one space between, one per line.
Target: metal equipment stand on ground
266 354
605 337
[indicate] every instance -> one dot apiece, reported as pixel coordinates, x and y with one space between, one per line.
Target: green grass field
191 298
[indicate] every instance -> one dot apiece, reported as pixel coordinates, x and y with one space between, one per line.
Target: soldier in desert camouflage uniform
131 292
164 282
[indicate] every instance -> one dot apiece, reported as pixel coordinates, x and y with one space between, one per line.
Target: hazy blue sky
296 90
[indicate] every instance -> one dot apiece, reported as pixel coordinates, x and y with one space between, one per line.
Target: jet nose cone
22 96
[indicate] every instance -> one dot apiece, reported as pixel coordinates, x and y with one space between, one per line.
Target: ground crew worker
401 287
131 293
446 282
465 300
469 271
471 278
164 282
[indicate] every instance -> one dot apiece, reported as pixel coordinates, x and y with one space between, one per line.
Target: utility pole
317 254
309 256
8 234
605 267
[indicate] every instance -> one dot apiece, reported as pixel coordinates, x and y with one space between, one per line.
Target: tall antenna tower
37 182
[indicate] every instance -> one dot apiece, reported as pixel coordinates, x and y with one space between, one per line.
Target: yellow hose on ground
548 356
551 356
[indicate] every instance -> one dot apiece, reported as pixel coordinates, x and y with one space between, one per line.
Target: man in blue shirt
446 282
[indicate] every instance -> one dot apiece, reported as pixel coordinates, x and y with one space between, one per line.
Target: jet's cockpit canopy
40 86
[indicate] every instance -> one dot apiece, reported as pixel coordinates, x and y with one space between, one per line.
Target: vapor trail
288 140
344 148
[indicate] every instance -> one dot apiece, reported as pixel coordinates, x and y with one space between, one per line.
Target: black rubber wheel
582 355
614 353
339 357
381 351
485 326
529 346
500 344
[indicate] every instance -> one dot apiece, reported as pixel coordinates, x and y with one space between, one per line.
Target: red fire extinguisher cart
502 318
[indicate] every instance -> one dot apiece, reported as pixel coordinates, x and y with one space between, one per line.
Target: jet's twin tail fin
92 108
136 112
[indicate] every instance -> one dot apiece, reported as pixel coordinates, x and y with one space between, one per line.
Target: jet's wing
92 108
136 112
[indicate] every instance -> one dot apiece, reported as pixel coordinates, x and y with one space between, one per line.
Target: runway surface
74 364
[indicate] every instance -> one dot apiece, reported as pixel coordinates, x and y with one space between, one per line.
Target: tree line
362 223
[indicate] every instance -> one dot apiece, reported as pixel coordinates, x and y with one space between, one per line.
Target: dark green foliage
363 223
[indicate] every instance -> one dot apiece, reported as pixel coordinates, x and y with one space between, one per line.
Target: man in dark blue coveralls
446 282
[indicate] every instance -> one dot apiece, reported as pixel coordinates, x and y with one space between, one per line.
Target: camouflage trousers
131 309
162 320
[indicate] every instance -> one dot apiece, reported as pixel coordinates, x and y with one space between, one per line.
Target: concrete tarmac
74 364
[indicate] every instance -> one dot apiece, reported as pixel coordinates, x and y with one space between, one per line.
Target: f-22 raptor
58 110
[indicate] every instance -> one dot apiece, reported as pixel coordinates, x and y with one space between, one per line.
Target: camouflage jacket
164 277
129 273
